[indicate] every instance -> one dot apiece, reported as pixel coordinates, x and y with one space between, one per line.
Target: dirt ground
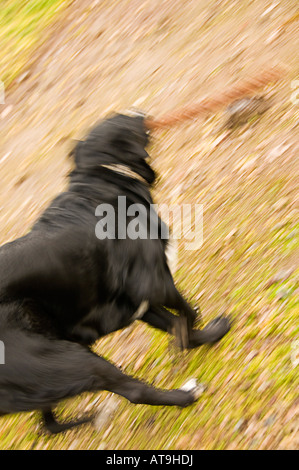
107 56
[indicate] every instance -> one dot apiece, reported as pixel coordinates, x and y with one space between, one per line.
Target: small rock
264 386
274 35
6 111
295 353
278 226
231 234
23 76
269 9
292 234
280 204
105 412
219 140
277 152
251 355
93 403
283 293
5 157
270 420
228 255
252 247
282 275
248 164
102 446
200 294
241 425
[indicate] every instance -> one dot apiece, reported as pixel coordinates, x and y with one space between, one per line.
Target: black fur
61 288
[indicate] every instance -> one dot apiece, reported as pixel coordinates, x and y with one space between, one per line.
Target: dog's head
119 139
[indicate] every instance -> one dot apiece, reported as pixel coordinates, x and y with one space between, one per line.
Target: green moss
22 28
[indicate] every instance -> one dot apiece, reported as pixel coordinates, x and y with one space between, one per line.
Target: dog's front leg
187 315
183 325
160 317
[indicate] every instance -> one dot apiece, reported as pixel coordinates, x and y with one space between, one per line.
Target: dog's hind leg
108 377
54 370
54 427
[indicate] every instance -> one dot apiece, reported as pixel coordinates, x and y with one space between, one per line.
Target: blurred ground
157 55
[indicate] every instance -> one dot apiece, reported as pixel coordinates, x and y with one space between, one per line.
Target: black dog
62 288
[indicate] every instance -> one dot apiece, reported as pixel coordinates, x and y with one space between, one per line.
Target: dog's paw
181 397
195 388
216 329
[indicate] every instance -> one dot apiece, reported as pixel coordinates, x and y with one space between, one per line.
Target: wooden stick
209 105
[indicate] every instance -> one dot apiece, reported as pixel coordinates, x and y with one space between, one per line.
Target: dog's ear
75 151
73 146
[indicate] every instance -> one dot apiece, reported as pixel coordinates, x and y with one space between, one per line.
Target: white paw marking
193 386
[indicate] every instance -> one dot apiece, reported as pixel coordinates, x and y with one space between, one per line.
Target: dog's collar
124 170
